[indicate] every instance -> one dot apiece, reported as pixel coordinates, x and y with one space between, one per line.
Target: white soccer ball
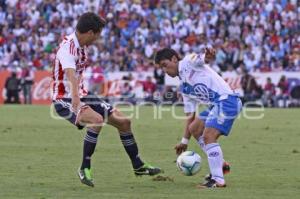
189 163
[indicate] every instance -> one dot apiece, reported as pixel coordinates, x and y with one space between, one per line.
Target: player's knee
97 120
125 125
95 129
195 132
191 129
208 138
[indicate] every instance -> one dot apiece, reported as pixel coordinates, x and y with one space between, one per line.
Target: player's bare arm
73 81
182 146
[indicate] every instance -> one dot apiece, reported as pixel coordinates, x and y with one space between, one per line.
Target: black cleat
147 169
85 176
211 184
226 170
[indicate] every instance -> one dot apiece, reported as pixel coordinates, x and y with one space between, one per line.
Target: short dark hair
90 21
165 53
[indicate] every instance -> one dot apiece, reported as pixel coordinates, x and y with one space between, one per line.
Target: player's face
170 66
92 37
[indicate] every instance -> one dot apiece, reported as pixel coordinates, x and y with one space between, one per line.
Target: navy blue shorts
64 109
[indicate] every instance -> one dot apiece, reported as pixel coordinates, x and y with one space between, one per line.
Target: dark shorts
64 109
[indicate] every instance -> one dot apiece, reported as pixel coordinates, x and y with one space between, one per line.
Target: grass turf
39 157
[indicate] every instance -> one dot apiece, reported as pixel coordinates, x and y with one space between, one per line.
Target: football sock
202 144
215 161
89 145
131 148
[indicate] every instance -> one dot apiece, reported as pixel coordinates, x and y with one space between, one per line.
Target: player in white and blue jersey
200 84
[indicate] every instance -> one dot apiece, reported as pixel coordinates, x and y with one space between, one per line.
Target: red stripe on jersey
78 52
72 47
61 87
53 70
74 50
53 78
84 92
82 54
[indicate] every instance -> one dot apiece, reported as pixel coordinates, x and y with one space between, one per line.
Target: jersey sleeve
64 56
189 105
196 60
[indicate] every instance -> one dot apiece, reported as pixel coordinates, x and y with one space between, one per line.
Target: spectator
149 89
251 90
159 76
27 80
127 94
97 80
12 86
269 93
283 95
170 95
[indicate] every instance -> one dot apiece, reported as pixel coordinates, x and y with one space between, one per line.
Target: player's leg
89 146
123 124
92 116
196 128
219 122
214 156
94 121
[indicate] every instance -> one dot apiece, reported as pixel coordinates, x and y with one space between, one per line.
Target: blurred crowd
249 35
284 93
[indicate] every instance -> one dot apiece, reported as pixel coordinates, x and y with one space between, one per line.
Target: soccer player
75 104
201 84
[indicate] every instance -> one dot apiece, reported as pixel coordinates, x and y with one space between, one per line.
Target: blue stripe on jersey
199 91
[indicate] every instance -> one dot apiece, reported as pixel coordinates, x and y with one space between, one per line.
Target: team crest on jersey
202 92
199 91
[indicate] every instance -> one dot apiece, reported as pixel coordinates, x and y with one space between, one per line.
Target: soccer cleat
147 169
226 170
85 176
211 184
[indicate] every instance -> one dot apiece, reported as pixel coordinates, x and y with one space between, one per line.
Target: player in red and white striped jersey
69 55
75 104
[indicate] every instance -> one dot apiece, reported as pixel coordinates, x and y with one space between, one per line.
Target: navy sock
89 145
131 148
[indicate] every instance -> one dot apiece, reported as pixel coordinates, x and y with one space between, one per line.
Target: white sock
215 161
202 144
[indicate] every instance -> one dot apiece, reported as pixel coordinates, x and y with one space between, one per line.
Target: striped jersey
68 55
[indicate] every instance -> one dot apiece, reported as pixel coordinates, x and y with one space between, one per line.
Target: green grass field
39 157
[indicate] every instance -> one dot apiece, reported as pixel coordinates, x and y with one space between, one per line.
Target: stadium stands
257 35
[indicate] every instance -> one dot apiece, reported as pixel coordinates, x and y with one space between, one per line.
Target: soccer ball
189 163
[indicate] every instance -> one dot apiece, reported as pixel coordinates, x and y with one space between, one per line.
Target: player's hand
210 54
180 148
76 103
